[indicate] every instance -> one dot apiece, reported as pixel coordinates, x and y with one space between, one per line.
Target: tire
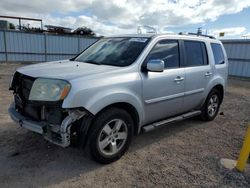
111 135
211 106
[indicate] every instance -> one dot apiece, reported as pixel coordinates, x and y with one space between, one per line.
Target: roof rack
196 34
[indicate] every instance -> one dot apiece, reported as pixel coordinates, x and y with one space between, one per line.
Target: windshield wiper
85 61
92 62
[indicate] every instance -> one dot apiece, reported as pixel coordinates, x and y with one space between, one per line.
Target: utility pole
199 31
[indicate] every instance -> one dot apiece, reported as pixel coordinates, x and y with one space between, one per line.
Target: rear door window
196 53
218 54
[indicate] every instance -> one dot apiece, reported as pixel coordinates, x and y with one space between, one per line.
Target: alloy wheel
213 105
112 137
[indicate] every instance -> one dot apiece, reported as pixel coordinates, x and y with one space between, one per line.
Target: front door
163 91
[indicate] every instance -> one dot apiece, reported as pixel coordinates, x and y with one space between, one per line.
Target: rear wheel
211 106
111 135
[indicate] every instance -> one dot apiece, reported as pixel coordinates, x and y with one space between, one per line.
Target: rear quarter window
219 57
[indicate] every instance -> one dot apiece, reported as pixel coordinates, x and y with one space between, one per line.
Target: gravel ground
185 154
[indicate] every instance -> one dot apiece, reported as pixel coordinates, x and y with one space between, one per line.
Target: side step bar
161 123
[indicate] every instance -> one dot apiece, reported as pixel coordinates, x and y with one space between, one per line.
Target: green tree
12 26
84 31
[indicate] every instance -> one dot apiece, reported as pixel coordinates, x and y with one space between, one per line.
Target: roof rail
196 34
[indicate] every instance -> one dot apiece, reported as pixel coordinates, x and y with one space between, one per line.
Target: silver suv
119 87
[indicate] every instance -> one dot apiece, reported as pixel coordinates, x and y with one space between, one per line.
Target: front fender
94 101
100 101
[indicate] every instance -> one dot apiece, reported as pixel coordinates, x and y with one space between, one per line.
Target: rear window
196 53
218 54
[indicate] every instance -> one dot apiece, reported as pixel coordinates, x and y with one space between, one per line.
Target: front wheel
111 135
211 106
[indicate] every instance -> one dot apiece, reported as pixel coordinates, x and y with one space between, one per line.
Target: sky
108 17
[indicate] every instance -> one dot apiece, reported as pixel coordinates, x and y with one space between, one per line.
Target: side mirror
156 65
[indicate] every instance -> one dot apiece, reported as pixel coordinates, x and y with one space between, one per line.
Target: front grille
22 85
26 85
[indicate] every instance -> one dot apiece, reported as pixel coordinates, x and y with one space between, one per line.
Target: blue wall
238 52
36 47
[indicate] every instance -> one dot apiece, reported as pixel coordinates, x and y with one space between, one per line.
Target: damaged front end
59 134
44 117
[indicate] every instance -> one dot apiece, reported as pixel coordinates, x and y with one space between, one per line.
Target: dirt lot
185 154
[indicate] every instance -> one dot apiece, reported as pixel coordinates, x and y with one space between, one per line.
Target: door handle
207 74
179 78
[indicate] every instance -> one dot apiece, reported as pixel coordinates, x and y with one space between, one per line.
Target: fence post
78 45
45 47
5 45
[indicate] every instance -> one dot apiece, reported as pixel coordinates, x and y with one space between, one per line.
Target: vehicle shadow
26 159
146 139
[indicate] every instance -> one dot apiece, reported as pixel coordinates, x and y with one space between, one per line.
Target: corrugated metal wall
36 47
238 52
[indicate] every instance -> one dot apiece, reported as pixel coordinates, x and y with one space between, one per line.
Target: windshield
114 51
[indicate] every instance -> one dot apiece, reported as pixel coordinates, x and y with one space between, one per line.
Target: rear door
163 91
198 73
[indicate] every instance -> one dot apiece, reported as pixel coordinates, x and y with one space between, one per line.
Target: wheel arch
220 88
217 86
216 83
127 107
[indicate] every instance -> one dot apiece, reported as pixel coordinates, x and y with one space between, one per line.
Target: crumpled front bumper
38 127
57 134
